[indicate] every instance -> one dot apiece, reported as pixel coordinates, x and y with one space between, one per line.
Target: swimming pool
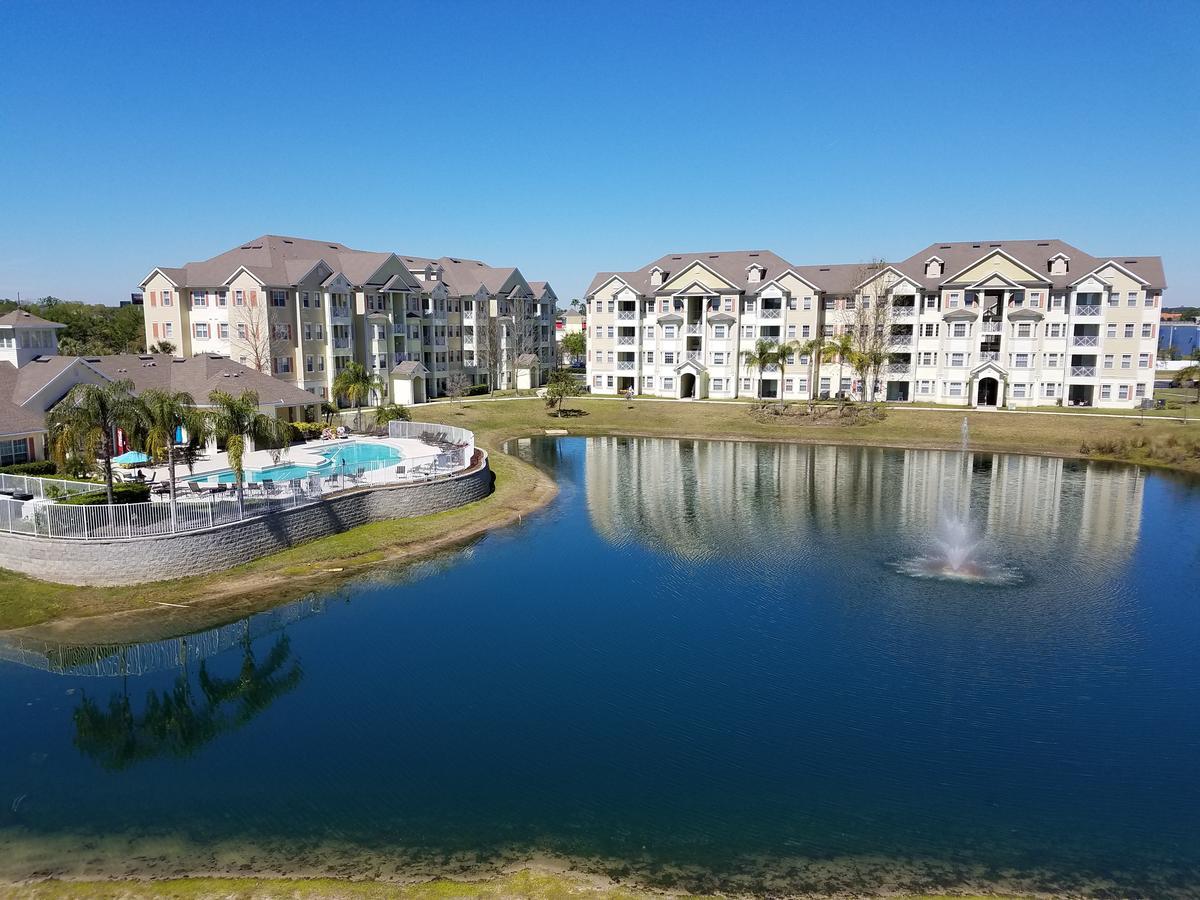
352 454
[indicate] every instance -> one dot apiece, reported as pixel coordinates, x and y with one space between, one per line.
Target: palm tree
84 423
236 419
354 385
168 414
765 353
813 349
390 412
840 348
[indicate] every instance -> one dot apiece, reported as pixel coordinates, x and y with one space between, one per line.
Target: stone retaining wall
142 559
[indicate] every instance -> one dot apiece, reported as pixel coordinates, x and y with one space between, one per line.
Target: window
1143 360
1110 330
279 298
649 357
199 298
13 452
825 383
1147 330
1035 298
953 301
1140 390
1109 359
166 298
931 302
200 330
929 329
647 382
718 359
308 364
850 302
925 387
1126 360
668 383
805 330
1024 330
925 358
791 302
954 389
791 332
318 332
222 298
719 332
802 385
598 381
808 302
1149 301
1055 330
1019 391
668 358
728 304
239 298
957 360
1114 299
959 330
668 332
746 384
747 331
1050 389
1129 330
846 383
1021 360
1057 301
168 329
1052 360
1131 298
828 303
223 330
789 385
304 299
611 331
1123 392
241 330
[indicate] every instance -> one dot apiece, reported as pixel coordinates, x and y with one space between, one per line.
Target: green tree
764 353
840 348
354 384
574 345
390 412
161 347
814 350
559 386
84 424
236 420
1191 373
169 413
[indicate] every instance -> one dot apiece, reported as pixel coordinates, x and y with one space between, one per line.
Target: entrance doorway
687 385
897 391
989 392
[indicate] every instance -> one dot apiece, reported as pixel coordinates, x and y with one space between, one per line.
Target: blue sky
567 138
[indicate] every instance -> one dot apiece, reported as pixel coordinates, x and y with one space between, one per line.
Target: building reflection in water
698 499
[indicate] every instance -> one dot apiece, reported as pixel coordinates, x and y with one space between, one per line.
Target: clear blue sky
566 138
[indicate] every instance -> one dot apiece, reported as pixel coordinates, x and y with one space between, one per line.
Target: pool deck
307 454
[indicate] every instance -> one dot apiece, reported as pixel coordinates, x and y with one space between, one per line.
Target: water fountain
955 544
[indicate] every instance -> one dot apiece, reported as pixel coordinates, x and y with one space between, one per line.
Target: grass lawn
523 884
908 427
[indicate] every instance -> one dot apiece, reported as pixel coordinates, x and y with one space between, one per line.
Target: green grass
523 884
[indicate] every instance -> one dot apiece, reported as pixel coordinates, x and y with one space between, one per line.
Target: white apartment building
302 310
999 323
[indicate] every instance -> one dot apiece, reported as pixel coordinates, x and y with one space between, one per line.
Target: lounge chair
194 487
268 486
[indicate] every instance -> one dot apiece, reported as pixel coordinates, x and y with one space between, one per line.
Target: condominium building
302 310
992 323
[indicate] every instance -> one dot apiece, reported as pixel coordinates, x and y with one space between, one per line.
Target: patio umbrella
131 458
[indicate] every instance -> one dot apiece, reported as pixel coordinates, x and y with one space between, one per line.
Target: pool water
353 453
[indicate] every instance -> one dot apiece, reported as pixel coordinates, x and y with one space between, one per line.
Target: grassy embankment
523 884
521 488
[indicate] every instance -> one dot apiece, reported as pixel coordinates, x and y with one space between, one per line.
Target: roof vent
714 255
1130 262
754 254
333 246
286 241
91 359
1043 244
822 270
146 356
993 245
944 247
975 246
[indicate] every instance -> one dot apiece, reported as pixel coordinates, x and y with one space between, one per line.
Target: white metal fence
43 488
200 504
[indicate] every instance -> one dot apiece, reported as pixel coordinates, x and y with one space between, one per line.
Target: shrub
306 431
39 468
476 389
122 493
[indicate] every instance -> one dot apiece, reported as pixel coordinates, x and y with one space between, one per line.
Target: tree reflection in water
178 721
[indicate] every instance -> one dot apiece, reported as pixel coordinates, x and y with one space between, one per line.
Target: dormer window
656 276
755 272
934 267
1060 264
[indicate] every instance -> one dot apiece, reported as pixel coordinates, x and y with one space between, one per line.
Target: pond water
705 665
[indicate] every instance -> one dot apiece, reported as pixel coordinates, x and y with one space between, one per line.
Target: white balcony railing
989 355
627 314
627 339
1083 371
903 312
1086 340
626 366
695 329
897 368
770 314
992 327
1090 310
341 343
694 354
901 340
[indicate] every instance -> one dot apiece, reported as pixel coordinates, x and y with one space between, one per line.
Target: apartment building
989 323
302 310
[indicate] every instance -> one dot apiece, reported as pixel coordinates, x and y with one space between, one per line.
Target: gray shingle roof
22 318
199 376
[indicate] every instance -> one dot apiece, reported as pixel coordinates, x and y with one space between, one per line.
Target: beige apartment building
302 310
985 324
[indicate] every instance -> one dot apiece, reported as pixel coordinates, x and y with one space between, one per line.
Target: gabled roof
22 318
729 265
960 314
409 368
198 376
1025 314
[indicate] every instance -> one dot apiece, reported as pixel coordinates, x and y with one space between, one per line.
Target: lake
704 665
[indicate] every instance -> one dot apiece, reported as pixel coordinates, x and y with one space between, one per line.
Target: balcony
627 315
626 366
628 340
900 340
693 330
339 312
770 314
992 327
903 312
898 368
1086 340
695 354
1083 371
989 355
341 343
1089 310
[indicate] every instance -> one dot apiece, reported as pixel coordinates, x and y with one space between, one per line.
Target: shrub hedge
40 468
122 493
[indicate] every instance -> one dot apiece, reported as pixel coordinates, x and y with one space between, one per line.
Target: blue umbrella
131 458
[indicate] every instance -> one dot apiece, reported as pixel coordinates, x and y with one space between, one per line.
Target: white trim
688 292
794 274
611 279
700 263
994 274
238 271
1114 264
887 268
994 252
158 270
